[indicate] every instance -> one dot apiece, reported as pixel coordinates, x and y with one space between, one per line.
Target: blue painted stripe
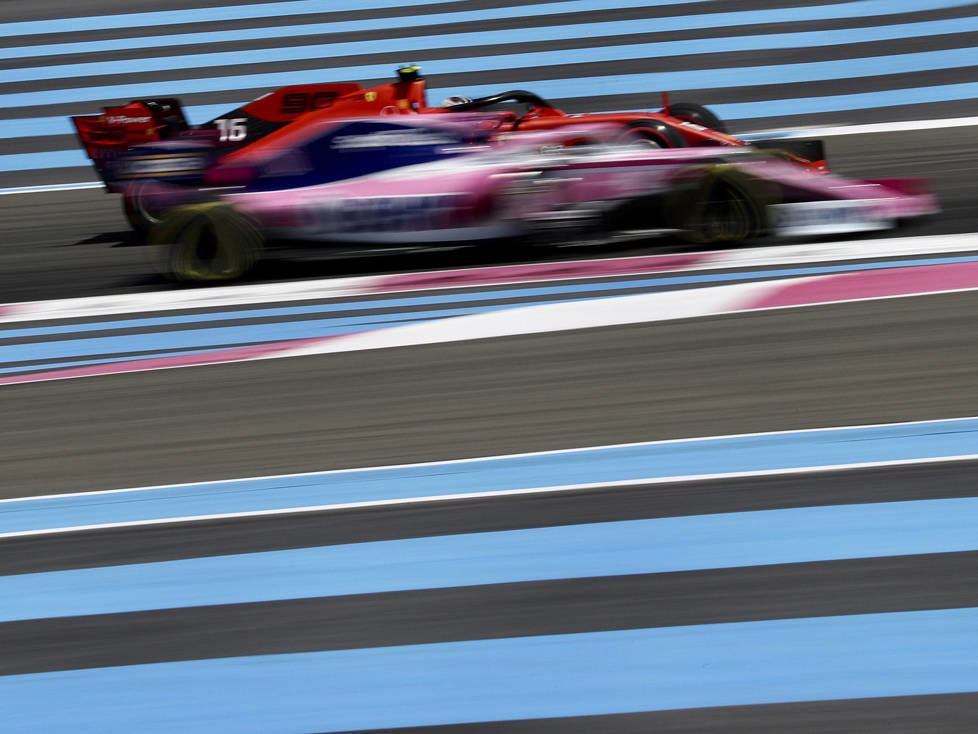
107 360
46 159
724 455
305 7
661 545
668 24
741 663
196 15
462 40
253 313
226 335
665 281
574 87
61 125
40 126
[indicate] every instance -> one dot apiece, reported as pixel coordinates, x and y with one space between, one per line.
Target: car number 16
232 130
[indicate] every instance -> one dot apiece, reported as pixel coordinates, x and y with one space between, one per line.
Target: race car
436 179
151 140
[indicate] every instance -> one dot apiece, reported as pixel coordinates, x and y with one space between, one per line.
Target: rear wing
106 136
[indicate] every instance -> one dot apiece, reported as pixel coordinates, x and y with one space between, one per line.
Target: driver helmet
456 100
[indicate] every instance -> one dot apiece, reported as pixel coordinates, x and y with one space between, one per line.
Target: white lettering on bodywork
123 120
384 214
162 165
388 138
827 217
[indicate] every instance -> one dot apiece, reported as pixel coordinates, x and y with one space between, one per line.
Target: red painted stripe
873 284
538 271
218 356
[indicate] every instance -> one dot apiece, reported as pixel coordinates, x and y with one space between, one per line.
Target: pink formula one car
435 179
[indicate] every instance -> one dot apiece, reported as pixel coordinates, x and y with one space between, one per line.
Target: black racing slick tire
135 205
206 243
692 112
719 204
651 134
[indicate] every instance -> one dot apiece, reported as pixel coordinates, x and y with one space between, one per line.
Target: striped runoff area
89 337
758 63
803 598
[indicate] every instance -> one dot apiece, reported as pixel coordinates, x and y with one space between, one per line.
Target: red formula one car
151 140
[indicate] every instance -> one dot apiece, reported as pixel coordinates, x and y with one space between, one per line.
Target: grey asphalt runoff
844 364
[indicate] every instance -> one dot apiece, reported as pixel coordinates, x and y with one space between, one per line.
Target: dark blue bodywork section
361 147
331 152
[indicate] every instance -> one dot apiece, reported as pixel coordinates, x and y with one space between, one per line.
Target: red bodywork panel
262 123
290 103
119 128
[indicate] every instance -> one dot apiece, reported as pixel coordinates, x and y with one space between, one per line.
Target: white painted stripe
553 317
869 129
500 457
92 306
618 311
51 187
220 296
840 251
477 495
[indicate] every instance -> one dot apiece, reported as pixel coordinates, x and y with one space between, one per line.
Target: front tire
206 243
720 205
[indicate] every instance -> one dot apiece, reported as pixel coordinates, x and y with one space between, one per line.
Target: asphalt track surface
871 362
778 370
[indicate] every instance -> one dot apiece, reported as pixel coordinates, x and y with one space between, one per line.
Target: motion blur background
762 65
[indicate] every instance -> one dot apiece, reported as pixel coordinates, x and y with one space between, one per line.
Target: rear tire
651 134
691 112
141 217
206 243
